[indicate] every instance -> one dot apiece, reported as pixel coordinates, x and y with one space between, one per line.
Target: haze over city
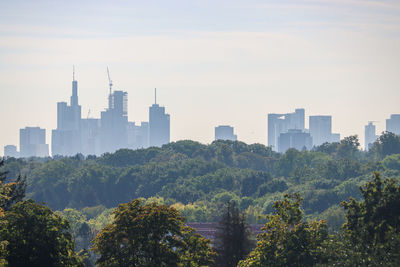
214 63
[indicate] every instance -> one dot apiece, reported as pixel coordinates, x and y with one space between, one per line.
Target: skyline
214 63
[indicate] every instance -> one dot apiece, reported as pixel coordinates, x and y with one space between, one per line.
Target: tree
373 225
387 144
11 192
150 235
232 241
287 240
37 237
348 147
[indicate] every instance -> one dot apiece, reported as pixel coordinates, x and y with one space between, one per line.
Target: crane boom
109 81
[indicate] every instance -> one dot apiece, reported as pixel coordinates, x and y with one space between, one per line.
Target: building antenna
73 72
109 80
155 96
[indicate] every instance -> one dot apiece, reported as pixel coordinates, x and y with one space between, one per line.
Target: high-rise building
66 139
11 151
32 142
225 132
114 123
370 135
90 136
393 124
294 138
159 124
281 123
320 129
138 135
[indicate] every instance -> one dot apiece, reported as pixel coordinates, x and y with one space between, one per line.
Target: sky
212 62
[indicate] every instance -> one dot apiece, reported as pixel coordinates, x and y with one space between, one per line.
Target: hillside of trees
333 206
198 179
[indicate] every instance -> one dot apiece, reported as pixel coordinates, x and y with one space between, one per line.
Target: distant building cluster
94 136
113 130
288 131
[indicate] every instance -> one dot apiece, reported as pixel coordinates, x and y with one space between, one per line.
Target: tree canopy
150 235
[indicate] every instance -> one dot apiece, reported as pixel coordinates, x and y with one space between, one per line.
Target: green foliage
387 144
232 241
373 225
392 162
37 237
287 240
201 178
150 235
348 147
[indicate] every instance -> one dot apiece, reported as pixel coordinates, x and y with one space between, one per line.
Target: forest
198 180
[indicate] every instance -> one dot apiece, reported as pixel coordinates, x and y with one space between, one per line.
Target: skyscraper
281 123
32 142
225 132
66 139
320 129
114 123
370 135
393 124
159 124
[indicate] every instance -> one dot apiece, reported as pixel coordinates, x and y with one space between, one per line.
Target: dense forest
333 206
198 179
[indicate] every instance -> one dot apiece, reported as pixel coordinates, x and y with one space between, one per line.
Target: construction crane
110 100
109 81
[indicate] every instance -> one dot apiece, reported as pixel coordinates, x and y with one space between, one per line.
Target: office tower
90 136
370 135
114 123
294 138
159 124
281 123
225 132
66 139
138 135
32 142
320 129
393 124
11 151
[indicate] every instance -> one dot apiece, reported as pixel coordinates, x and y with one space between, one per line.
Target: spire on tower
74 97
155 96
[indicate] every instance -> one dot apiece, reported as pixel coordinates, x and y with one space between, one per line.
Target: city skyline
112 130
224 62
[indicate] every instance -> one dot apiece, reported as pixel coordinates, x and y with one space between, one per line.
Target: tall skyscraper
32 142
225 132
370 135
393 124
320 129
114 123
281 123
66 139
159 124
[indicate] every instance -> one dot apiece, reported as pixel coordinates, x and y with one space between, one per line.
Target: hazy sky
213 62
